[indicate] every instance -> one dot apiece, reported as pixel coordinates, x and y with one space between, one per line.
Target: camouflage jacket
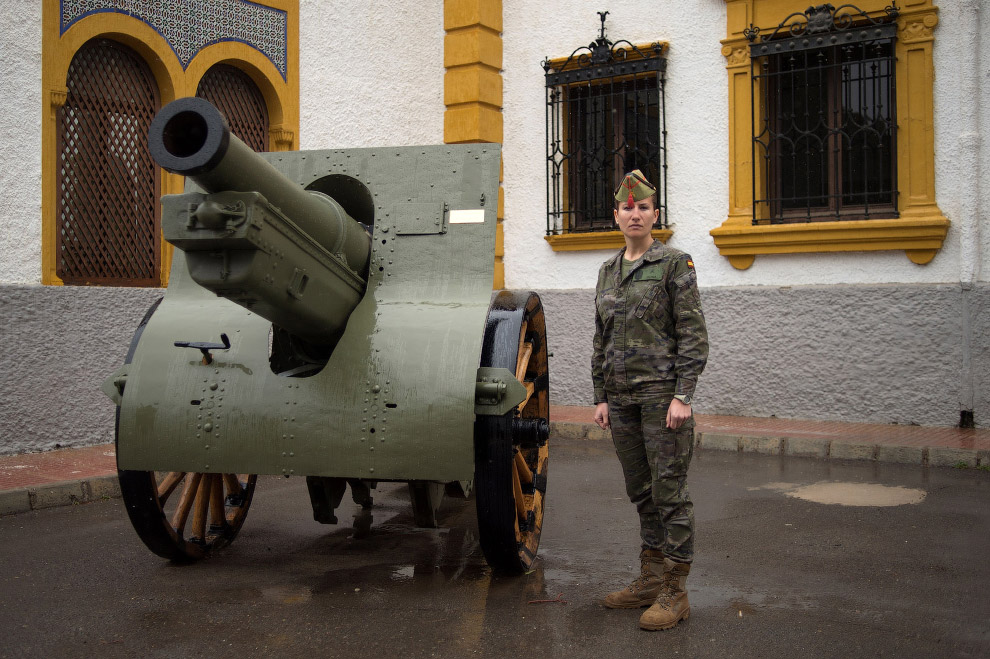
650 334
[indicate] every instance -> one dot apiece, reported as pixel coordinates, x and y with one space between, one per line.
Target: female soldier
650 346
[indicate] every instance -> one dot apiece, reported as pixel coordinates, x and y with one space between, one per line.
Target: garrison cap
635 186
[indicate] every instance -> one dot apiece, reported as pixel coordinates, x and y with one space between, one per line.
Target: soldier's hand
601 416
677 414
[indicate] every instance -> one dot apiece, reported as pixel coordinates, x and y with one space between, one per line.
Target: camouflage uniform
651 344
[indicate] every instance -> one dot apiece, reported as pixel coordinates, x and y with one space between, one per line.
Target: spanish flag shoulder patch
690 263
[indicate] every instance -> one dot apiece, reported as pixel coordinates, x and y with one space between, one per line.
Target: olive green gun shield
396 398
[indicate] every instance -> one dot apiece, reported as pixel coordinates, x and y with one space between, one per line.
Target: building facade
825 169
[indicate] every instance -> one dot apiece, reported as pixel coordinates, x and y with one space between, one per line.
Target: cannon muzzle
292 256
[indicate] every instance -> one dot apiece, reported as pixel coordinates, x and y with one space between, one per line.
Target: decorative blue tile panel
190 25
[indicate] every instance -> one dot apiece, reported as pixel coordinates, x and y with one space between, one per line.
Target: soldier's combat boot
644 590
672 603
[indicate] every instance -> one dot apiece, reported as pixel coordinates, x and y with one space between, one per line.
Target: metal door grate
239 100
108 186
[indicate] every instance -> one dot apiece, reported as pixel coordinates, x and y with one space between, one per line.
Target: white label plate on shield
469 216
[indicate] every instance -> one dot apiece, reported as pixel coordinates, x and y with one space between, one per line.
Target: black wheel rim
510 473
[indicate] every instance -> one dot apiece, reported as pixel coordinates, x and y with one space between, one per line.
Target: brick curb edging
65 493
813 447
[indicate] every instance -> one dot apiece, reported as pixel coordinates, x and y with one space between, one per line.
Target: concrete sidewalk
71 476
921 445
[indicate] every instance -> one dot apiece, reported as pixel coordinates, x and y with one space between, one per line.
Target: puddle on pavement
288 594
744 603
449 555
849 494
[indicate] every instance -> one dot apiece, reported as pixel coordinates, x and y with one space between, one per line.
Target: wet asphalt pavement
775 575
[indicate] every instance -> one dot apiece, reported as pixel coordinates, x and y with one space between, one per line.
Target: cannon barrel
190 137
292 256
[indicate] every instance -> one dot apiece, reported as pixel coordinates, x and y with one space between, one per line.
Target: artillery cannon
329 314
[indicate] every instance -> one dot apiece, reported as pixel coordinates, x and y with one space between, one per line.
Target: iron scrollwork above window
824 142
605 117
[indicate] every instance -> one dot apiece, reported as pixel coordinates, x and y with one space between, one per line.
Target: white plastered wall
962 129
20 141
370 74
697 124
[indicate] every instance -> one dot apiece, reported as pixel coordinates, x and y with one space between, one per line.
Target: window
107 184
605 117
831 130
827 134
126 60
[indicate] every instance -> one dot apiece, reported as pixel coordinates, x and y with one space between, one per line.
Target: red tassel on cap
631 201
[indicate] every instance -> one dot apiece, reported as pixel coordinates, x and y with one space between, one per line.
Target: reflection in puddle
404 573
849 494
704 596
288 594
362 523
448 555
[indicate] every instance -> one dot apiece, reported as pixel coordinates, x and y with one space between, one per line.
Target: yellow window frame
921 227
575 242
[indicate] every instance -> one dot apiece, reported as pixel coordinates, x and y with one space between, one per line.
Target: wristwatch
684 398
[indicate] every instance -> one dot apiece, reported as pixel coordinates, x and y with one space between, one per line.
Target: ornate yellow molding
57 99
574 242
735 55
921 29
920 237
281 138
921 228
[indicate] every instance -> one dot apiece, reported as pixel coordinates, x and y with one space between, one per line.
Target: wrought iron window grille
824 142
604 117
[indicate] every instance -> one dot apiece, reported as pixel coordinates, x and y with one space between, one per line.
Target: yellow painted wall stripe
473 86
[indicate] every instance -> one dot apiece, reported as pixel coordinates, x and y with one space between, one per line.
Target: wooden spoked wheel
178 515
511 451
184 516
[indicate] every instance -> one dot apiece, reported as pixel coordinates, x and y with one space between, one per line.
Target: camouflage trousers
655 462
